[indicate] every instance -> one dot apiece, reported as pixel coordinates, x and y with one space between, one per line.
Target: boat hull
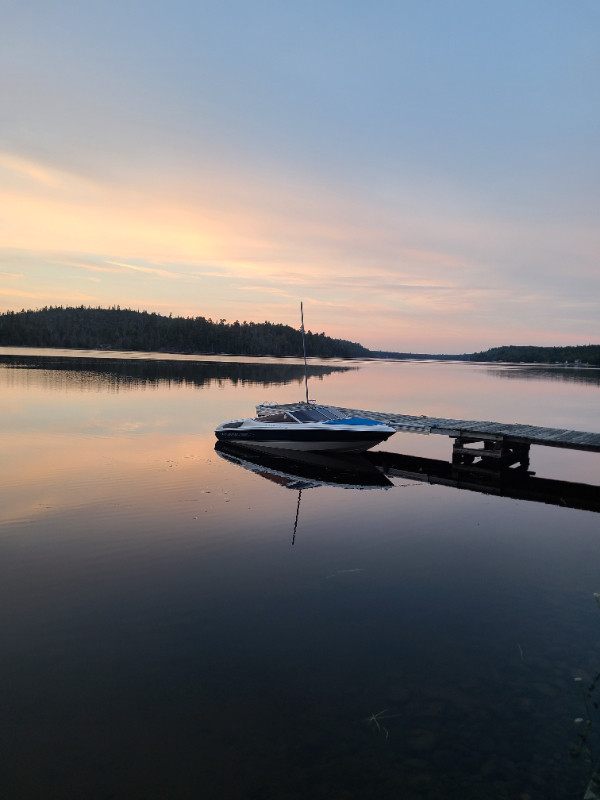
315 440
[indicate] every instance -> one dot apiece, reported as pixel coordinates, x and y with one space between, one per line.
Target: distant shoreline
124 330
26 352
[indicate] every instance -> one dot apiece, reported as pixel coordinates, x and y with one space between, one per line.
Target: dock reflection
374 469
516 483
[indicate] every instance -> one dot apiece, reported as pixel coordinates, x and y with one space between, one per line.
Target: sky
424 175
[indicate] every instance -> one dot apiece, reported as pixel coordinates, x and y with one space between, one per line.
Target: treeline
583 354
418 356
125 329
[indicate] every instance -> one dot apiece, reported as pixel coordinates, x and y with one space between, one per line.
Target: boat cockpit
301 415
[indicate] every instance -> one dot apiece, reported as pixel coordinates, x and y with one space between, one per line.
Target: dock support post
489 454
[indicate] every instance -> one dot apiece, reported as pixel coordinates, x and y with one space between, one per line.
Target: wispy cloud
30 169
48 297
162 273
264 290
214 273
97 268
18 293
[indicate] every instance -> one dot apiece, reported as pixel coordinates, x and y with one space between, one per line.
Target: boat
308 427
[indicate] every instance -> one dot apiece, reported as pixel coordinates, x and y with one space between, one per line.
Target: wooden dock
487 444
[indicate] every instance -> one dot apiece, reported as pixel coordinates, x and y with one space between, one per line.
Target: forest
125 329
582 354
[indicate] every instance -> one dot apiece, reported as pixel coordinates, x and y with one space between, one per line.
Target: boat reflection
299 470
295 469
376 469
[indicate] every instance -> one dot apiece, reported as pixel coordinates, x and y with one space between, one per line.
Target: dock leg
492 455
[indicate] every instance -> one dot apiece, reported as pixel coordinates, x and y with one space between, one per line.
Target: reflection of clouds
106 427
132 426
51 474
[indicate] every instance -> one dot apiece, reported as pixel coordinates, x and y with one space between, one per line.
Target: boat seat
277 418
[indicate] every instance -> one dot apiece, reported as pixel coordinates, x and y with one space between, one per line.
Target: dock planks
476 430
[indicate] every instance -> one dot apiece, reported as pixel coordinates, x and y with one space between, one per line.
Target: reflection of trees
569 374
141 373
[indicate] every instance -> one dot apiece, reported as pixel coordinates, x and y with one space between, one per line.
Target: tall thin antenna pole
304 350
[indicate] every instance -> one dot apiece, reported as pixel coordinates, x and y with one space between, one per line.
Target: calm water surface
175 625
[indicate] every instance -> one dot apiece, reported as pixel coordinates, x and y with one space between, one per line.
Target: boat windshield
316 414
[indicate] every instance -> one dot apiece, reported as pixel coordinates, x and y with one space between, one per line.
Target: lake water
174 625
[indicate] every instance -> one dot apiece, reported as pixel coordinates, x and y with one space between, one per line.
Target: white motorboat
309 427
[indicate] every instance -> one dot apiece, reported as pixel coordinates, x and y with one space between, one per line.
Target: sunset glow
432 195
